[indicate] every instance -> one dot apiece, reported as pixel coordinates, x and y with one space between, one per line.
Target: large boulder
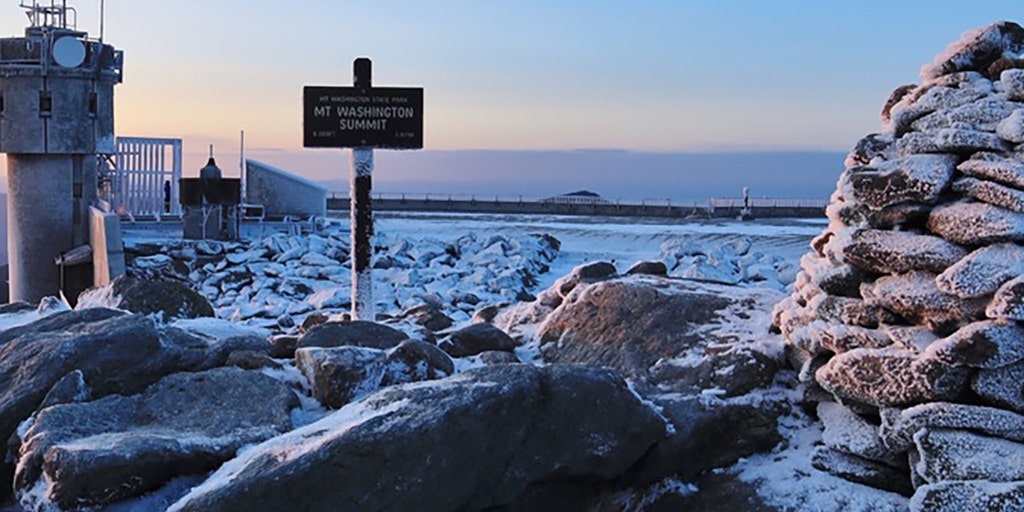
148 296
475 441
631 323
976 50
340 374
900 426
707 434
96 453
358 333
114 352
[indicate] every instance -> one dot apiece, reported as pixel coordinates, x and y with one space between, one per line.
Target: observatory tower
56 117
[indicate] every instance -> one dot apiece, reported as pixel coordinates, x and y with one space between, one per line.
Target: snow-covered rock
969 496
488 433
988 344
983 271
961 455
899 427
892 252
1008 301
96 453
890 377
1001 387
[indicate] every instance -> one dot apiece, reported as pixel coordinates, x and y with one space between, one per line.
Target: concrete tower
56 116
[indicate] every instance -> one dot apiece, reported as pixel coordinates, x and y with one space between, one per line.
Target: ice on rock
848 432
991 192
982 115
961 455
916 297
1008 301
913 338
976 50
1002 387
976 224
849 311
1012 128
950 140
969 496
989 344
1008 171
914 178
890 252
983 271
890 377
840 338
860 470
899 428
1013 83
867 150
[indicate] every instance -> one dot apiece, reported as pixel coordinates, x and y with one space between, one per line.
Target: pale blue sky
662 76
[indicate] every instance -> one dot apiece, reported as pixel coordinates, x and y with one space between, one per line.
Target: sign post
362 117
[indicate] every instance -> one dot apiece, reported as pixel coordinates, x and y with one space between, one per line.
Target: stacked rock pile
906 316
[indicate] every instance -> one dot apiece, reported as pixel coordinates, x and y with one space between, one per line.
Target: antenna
101 20
211 150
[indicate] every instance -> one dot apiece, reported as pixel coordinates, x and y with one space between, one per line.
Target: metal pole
361 213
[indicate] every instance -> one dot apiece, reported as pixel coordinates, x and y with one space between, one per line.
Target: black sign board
374 117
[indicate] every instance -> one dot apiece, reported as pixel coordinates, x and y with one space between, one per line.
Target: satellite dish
69 52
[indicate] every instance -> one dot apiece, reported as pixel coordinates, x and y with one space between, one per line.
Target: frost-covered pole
361 213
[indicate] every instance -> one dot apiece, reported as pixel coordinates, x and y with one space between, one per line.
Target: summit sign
363 117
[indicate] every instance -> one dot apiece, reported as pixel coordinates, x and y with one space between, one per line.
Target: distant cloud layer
613 174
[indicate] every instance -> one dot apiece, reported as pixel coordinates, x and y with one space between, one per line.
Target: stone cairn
906 316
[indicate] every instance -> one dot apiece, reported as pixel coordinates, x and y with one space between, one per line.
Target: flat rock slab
983 271
995 167
969 496
1002 387
989 344
359 333
976 224
477 338
119 447
860 470
915 178
488 434
1008 301
898 429
916 297
891 252
961 455
848 432
890 377
991 192
950 141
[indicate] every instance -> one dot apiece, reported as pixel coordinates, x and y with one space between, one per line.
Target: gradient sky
647 76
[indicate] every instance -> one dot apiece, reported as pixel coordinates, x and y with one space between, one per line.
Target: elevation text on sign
350 117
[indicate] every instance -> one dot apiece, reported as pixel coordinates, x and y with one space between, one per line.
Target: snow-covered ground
784 478
618 239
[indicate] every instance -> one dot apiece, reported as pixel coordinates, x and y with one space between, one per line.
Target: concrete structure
107 247
210 205
56 115
281 193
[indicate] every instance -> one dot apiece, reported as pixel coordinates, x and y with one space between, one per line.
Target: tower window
1 102
92 104
45 103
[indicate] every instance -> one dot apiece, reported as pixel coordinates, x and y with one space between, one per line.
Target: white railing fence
145 177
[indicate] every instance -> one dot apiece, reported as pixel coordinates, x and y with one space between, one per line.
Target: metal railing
714 202
145 177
